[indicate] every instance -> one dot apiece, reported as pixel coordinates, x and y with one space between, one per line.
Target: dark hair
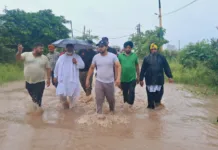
105 39
37 45
90 41
69 45
128 43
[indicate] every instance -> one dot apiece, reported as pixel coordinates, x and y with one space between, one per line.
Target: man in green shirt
130 73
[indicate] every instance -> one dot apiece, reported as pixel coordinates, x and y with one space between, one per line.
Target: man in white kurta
66 73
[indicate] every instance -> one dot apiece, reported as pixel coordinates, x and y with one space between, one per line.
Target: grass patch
10 72
201 78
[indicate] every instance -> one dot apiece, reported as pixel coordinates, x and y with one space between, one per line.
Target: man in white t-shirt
36 67
104 85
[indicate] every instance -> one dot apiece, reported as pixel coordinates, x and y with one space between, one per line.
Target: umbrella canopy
78 44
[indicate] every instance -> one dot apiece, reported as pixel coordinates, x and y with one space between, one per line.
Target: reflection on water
184 123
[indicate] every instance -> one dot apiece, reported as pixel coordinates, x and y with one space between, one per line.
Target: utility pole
160 14
71 28
160 21
89 33
5 9
138 28
84 32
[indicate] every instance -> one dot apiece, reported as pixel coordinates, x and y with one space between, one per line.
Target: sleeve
94 60
115 59
47 63
143 69
137 60
23 55
56 69
119 58
167 69
80 63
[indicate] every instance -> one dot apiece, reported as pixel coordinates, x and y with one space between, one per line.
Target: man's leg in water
82 77
75 96
64 102
110 95
125 88
36 91
40 91
158 96
100 95
52 78
150 96
131 94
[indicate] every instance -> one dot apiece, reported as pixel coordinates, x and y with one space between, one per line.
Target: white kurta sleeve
80 63
56 69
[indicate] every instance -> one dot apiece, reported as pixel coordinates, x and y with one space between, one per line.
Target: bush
10 72
199 76
7 55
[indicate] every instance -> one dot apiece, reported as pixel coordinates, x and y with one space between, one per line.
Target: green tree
27 28
144 39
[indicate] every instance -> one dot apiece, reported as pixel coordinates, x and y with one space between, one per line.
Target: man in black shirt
153 68
87 56
110 49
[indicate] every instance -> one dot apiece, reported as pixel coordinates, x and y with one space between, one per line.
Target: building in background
171 47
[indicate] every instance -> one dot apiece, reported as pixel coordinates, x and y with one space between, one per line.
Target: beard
69 53
39 53
102 52
128 52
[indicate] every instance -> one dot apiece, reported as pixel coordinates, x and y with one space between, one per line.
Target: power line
166 14
120 37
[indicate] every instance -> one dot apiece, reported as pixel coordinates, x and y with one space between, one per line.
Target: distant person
63 52
153 68
110 49
52 57
87 56
129 74
104 85
36 68
66 73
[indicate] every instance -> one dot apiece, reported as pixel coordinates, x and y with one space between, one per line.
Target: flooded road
186 123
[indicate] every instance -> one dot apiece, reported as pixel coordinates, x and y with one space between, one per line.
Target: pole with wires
71 28
160 22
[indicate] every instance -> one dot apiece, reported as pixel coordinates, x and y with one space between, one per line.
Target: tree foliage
205 52
18 26
144 39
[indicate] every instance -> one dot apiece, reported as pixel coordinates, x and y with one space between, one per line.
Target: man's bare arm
118 70
48 73
18 56
138 72
19 52
90 72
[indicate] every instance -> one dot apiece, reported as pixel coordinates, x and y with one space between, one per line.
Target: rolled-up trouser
129 91
154 98
103 90
36 91
83 76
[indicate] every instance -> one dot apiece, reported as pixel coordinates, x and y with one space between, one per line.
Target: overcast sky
117 18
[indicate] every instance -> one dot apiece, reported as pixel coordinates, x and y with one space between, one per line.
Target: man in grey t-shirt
104 86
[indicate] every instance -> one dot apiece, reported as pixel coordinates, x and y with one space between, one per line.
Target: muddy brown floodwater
186 123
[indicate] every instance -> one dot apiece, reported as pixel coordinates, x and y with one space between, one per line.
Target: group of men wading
69 70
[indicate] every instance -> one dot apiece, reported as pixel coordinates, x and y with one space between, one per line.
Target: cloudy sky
118 18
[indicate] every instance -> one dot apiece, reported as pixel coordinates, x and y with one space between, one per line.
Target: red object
62 53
